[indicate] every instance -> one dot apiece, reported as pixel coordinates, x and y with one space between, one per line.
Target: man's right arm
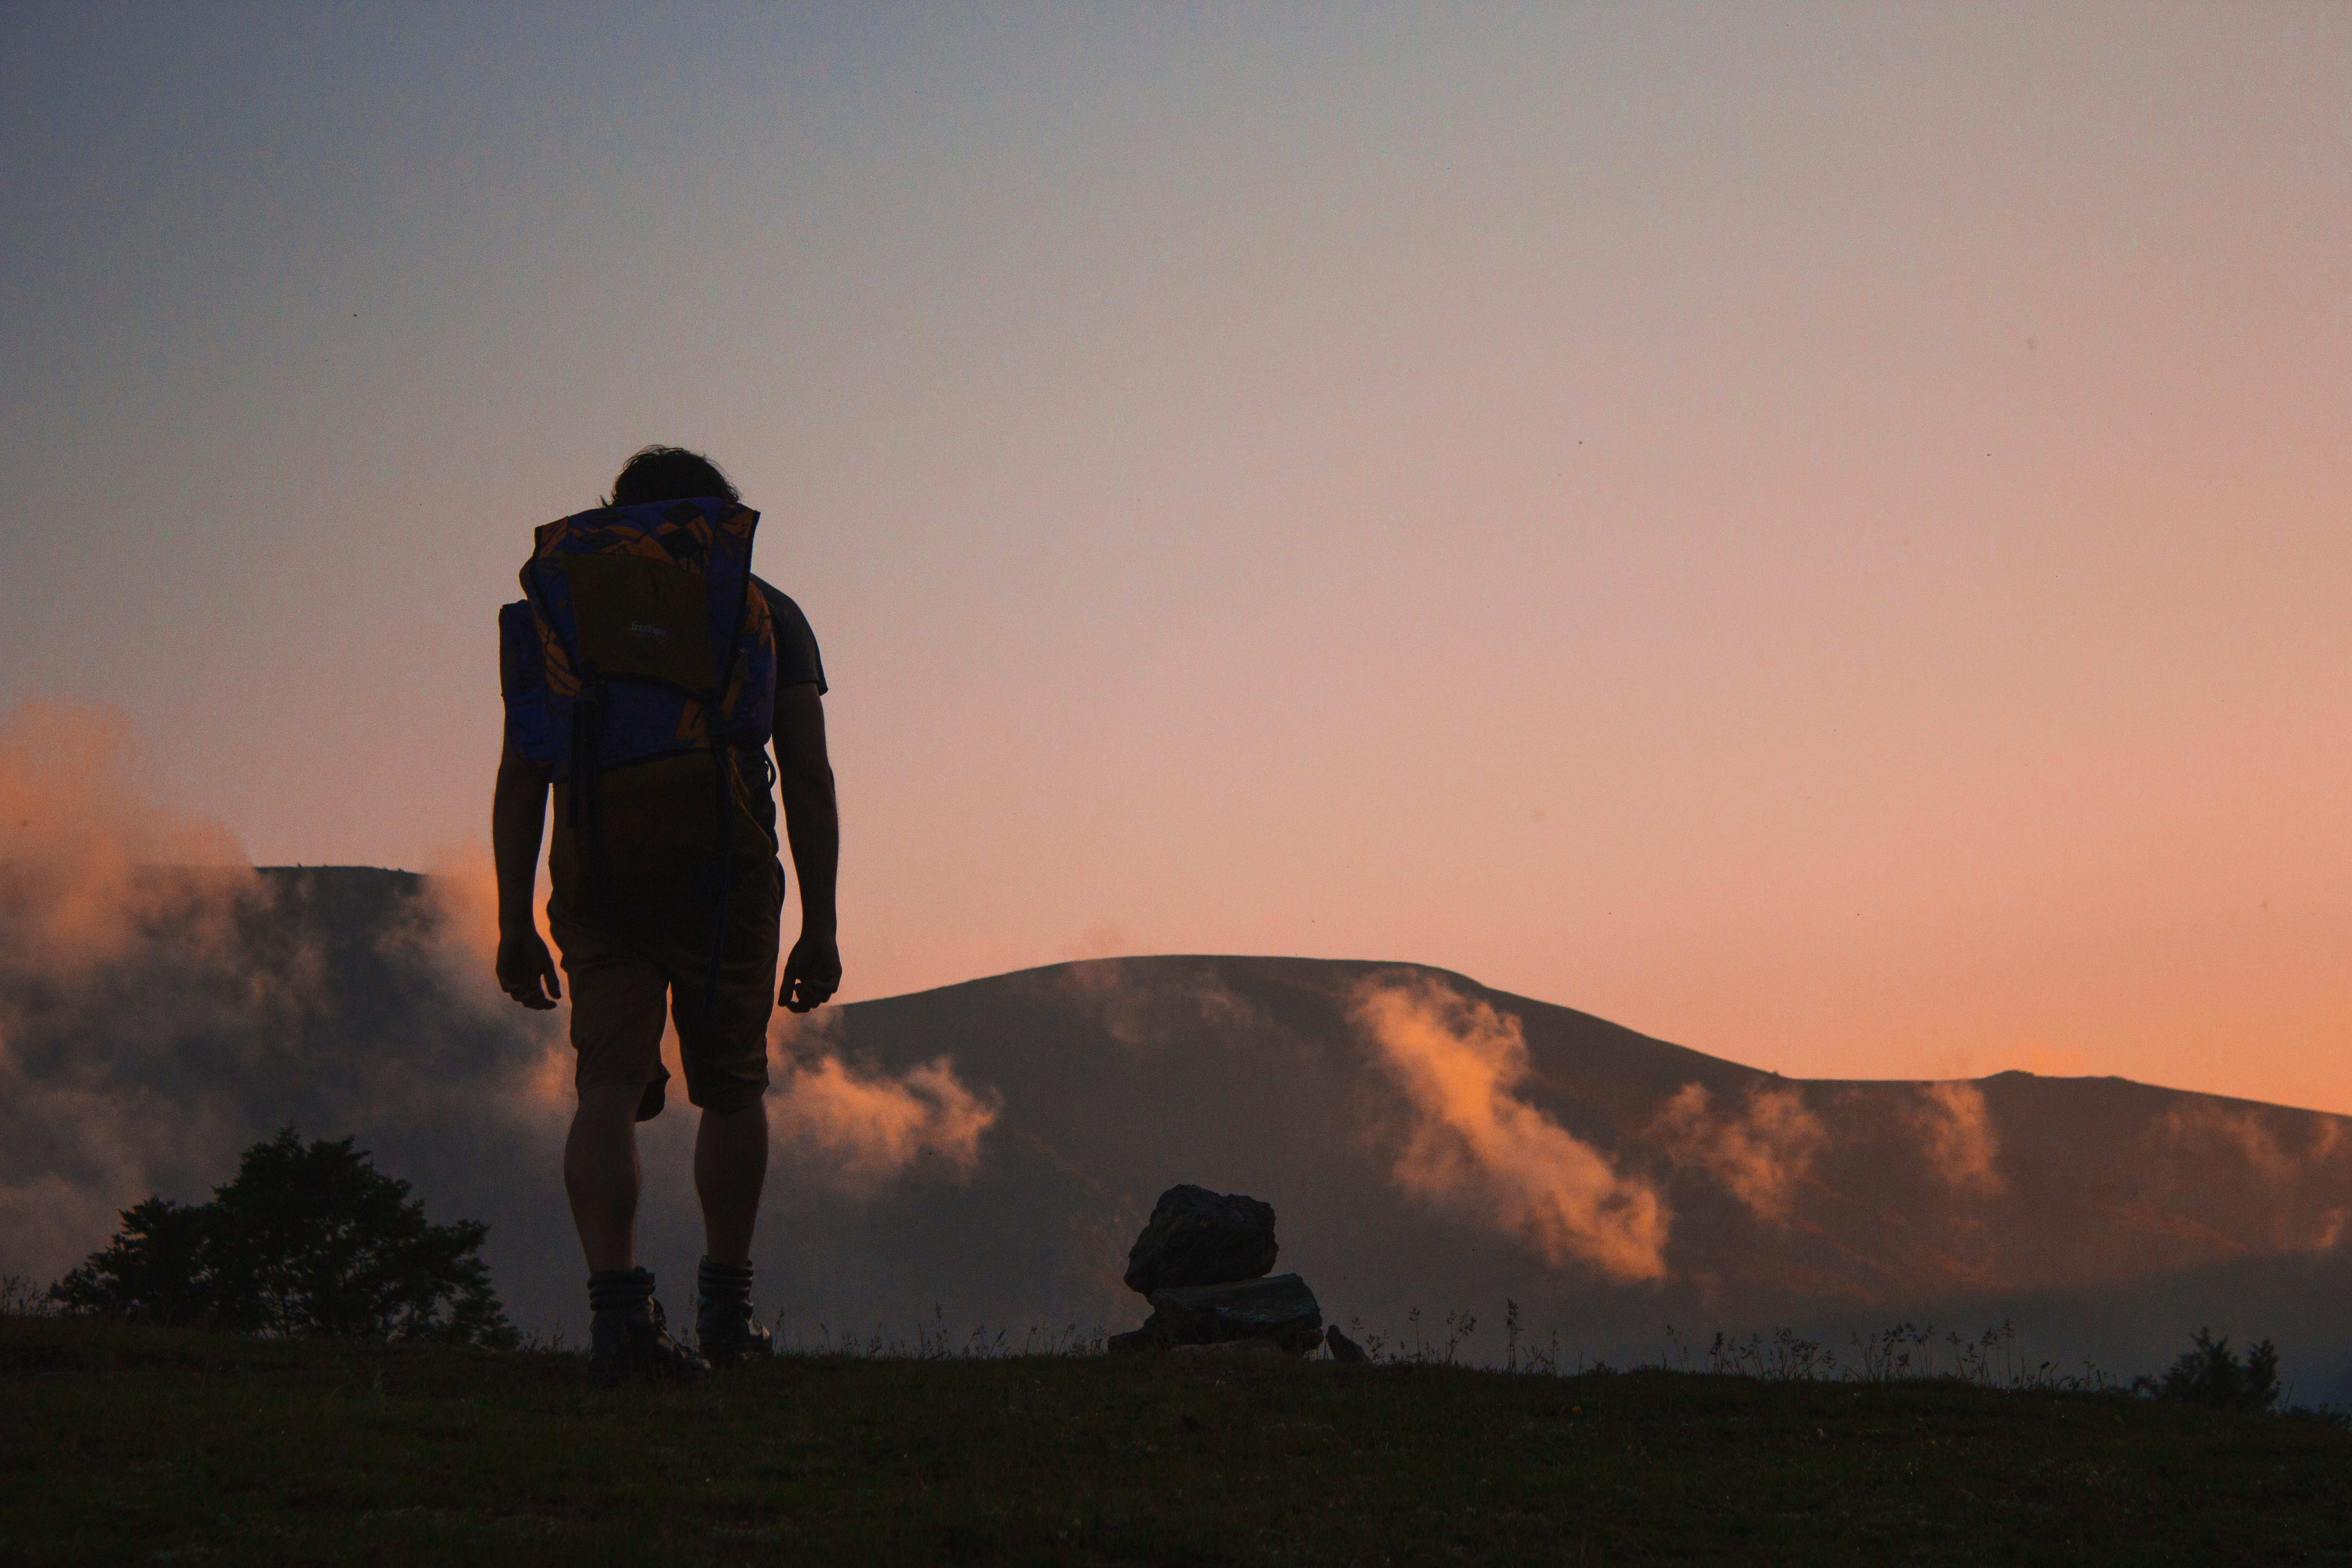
518 820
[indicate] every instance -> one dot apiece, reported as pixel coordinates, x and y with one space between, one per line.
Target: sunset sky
1821 533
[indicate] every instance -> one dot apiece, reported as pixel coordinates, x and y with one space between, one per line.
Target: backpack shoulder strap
533 726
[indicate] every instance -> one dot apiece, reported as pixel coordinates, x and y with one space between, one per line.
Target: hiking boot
635 1344
724 1325
729 1333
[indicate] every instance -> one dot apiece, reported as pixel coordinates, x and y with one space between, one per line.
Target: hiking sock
626 1336
724 1325
722 1290
628 1291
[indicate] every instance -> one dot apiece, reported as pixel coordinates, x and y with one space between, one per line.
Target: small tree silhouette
306 1240
158 1269
2212 1373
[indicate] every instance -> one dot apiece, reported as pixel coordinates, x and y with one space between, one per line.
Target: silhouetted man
642 674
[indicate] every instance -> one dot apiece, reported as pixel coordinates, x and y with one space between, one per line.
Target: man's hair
668 473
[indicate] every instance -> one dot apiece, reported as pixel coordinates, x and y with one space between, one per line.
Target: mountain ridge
988 1148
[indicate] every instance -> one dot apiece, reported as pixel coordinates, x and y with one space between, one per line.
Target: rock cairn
1202 1263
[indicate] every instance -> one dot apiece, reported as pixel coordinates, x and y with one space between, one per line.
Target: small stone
1342 1347
1282 1310
1197 1238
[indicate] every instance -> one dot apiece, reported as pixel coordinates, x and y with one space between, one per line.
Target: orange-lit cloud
87 857
1960 1141
155 1017
1138 1012
859 1127
1473 1143
162 1001
2203 1127
1760 1154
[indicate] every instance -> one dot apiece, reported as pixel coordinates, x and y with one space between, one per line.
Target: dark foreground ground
123 1446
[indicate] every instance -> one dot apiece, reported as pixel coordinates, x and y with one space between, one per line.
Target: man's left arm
813 830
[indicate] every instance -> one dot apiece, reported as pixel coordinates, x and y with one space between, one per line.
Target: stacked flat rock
1200 1262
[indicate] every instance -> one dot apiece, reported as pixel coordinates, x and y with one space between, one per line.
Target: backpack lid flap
638 618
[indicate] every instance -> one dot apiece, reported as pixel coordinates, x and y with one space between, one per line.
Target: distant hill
1427 1142
2108 1218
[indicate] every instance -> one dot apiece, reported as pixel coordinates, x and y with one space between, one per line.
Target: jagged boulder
1197 1238
1281 1311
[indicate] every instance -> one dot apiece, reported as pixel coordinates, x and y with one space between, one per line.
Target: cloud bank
164 1003
1760 1154
1143 1008
1473 1143
860 1127
1960 1141
2200 1127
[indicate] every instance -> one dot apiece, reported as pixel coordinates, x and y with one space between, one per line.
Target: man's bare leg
600 1175
730 1166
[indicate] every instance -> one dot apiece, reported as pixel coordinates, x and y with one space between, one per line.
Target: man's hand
812 972
527 970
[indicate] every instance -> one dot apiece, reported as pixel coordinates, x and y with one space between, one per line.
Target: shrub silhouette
2213 1374
308 1239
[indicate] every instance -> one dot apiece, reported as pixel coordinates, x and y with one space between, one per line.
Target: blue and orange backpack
654 694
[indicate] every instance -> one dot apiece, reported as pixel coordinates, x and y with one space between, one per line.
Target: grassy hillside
122 1445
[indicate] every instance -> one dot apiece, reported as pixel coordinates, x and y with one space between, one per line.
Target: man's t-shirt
798 663
797 660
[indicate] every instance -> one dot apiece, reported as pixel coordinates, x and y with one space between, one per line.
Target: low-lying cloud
1473 1143
1143 1007
2200 1128
1760 1154
859 1127
87 863
164 1003
120 984
1959 1139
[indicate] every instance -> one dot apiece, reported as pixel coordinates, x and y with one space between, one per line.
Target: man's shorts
625 983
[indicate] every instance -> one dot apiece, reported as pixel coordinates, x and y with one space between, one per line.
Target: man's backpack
657 692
